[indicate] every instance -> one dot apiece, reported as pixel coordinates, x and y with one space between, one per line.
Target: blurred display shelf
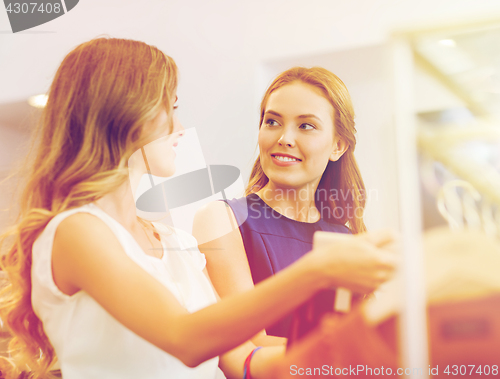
461 133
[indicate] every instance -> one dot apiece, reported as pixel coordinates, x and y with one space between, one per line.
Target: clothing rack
435 145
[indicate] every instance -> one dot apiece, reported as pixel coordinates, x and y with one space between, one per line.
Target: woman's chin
165 173
285 183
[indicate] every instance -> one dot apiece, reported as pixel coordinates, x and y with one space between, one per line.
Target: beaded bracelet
246 367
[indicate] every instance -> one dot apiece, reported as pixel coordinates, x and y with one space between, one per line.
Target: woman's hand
359 263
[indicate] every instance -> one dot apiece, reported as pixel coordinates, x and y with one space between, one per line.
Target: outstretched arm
87 256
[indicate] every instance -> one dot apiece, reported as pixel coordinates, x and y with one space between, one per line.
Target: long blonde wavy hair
341 187
102 94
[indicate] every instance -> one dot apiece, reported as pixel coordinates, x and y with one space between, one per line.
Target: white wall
13 144
221 47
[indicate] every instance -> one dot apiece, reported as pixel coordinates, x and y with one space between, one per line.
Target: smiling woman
305 179
297 139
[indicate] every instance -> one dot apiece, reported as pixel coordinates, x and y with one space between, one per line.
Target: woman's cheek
265 139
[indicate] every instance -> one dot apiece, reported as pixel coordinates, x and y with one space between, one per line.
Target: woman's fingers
389 258
360 263
380 238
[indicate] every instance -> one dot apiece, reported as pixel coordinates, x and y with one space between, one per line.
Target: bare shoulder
81 219
214 211
212 221
82 243
83 227
84 236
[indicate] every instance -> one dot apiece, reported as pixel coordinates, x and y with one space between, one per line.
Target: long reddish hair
103 93
341 191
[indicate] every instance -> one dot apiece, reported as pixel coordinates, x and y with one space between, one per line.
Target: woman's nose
178 127
287 139
181 130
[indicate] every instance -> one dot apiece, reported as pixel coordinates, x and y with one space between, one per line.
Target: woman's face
297 136
160 153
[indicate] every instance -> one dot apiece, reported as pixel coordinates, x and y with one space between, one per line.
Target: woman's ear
339 148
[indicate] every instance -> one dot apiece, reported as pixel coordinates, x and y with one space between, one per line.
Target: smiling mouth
285 158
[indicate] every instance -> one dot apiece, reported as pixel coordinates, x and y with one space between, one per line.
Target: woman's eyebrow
273 113
309 115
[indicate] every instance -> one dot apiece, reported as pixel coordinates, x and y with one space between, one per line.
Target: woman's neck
297 204
120 204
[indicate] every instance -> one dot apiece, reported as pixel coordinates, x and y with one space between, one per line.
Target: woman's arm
232 362
87 256
219 239
215 226
216 230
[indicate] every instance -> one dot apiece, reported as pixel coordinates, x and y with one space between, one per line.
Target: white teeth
285 159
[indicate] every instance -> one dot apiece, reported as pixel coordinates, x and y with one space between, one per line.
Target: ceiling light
448 42
38 101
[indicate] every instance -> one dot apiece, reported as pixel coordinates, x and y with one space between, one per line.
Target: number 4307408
471 369
25 7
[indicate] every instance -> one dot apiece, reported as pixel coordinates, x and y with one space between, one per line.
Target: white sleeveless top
88 341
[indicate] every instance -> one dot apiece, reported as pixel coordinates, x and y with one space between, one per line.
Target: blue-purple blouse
273 241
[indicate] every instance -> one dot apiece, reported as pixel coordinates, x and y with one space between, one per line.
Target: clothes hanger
461 261
459 210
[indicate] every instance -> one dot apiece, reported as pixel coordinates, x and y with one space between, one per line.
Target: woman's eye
307 126
271 122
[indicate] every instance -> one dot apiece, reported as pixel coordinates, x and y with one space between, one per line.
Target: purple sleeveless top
273 241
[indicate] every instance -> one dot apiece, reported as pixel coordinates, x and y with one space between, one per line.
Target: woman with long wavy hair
103 293
305 179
